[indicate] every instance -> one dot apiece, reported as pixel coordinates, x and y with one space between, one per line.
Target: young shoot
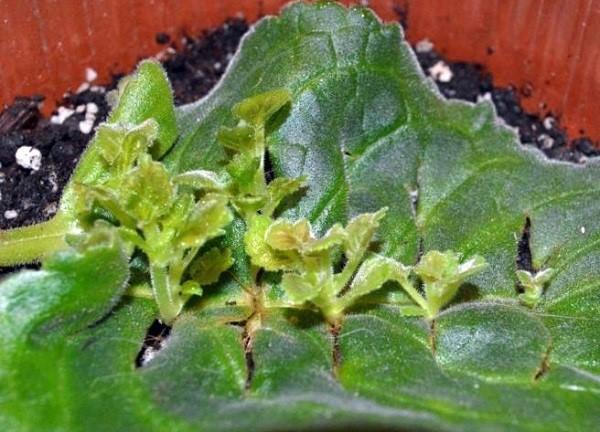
168 223
146 94
255 200
533 285
250 194
442 274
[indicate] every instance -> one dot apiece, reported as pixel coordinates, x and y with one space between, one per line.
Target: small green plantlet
442 274
250 194
255 200
533 285
155 214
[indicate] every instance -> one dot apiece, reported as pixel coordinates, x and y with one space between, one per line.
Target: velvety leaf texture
367 131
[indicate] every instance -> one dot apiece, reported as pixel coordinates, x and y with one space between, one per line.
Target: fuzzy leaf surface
367 131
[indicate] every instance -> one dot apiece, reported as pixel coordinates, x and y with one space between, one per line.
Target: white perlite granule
86 126
487 96
29 157
441 72
546 141
92 108
10 214
83 87
549 123
61 115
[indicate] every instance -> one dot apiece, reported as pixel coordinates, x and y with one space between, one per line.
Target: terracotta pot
548 48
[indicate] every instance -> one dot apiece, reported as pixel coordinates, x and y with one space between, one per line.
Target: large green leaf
41 312
368 131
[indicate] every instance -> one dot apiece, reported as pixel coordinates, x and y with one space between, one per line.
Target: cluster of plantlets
169 218
166 220
153 212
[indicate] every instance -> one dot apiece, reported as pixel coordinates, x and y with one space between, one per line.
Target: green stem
34 242
188 258
165 294
124 218
260 182
178 267
415 295
343 278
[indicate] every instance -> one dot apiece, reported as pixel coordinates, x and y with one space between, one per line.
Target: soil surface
470 81
37 154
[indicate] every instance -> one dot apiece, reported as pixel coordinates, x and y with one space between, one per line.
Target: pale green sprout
533 285
247 142
291 247
244 180
207 268
168 223
442 274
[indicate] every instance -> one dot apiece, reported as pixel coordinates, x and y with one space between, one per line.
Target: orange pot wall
551 47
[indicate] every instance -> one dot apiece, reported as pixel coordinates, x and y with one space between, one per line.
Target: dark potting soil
471 82
29 195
